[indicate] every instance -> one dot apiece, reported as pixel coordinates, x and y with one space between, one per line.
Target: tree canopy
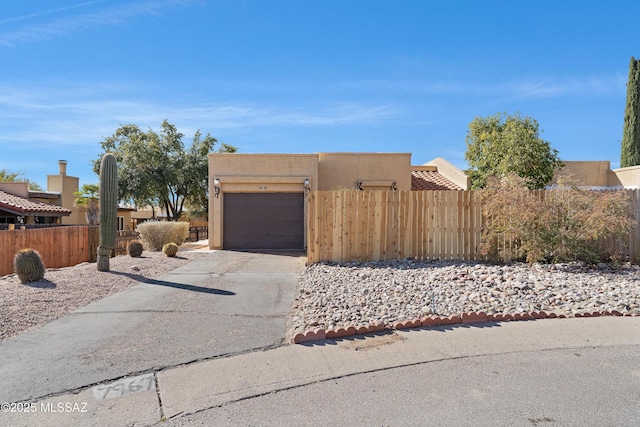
630 153
501 144
154 168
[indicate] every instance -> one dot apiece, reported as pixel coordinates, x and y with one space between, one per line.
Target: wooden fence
630 246
64 246
58 246
384 225
123 237
197 233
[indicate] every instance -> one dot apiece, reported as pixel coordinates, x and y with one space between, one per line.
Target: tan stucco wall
375 170
590 173
66 185
598 174
20 189
625 177
126 214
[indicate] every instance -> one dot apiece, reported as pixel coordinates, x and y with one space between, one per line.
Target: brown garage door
263 221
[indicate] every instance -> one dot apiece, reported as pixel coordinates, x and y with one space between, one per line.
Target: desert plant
88 197
108 209
134 248
170 249
28 265
563 224
156 234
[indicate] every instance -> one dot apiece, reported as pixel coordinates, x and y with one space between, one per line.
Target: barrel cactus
134 248
28 266
108 209
170 249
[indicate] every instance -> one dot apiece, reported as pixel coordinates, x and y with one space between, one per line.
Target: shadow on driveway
175 285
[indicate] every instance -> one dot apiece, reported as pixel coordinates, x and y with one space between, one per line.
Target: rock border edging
435 320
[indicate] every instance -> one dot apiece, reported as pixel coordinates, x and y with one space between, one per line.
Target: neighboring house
599 175
438 174
18 207
258 201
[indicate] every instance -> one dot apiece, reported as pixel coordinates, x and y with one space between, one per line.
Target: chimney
63 167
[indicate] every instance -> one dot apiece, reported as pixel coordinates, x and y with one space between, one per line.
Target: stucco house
20 205
258 201
597 174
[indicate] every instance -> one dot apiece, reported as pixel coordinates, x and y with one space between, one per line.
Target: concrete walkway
201 387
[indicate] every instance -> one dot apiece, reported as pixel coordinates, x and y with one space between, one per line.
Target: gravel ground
23 307
331 296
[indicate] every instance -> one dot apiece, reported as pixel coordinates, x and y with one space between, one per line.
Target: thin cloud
85 21
68 117
49 12
612 85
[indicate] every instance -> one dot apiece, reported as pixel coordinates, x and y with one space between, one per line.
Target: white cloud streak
530 88
48 12
56 117
57 27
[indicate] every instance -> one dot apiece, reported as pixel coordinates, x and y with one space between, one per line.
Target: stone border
434 321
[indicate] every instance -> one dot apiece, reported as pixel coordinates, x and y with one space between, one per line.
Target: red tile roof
21 206
431 180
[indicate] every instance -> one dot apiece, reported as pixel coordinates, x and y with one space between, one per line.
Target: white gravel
23 307
331 296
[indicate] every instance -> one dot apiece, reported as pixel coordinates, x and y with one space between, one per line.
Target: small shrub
134 248
564 224
155 234
28 266
170 249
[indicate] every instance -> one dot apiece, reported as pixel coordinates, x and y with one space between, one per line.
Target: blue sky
309 76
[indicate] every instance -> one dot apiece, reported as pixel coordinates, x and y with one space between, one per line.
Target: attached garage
263 221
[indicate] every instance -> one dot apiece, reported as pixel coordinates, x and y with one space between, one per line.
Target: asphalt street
570 387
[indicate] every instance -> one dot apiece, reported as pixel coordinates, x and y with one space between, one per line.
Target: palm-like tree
88 197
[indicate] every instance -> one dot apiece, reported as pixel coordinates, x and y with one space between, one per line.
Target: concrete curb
466 318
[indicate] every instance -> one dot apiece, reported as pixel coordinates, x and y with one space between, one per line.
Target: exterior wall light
216 187
307 187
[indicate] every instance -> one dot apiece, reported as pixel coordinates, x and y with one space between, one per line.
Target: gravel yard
23 307
331 296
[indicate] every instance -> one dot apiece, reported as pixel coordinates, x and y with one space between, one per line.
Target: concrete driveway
227 303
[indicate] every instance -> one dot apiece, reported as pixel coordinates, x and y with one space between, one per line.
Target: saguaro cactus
108 209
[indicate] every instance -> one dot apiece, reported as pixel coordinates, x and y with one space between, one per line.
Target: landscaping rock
334 296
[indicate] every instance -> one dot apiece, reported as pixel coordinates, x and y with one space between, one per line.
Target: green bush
564 224
156 234
28 266
170 249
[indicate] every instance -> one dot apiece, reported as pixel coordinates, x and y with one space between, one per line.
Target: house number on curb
124 387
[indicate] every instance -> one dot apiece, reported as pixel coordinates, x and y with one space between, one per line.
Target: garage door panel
263 221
